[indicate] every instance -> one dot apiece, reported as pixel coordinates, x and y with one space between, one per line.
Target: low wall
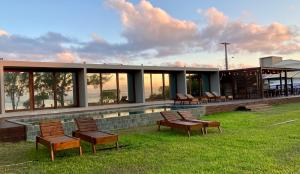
110 124
232 106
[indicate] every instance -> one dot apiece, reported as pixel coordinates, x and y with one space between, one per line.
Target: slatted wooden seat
180 98
210 96
52 136
172 121
219 97
192 99
188 116
88 131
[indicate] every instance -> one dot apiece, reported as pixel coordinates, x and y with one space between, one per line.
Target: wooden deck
11 132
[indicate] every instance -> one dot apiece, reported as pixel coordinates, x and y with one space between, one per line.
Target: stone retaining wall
110 124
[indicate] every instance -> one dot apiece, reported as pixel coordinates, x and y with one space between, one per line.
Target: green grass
250 143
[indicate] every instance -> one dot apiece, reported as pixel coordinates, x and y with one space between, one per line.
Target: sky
149 32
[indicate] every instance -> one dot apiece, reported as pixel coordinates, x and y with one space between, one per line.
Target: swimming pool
108 119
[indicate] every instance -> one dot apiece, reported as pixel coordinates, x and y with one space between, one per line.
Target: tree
64 83
43 84
15 86
95 80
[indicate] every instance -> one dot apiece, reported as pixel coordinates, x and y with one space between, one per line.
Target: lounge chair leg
52 153
36 146
220 130
80 150
117 145
205 130
202 131
189 132
94 148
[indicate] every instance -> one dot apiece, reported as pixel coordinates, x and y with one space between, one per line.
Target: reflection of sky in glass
49 90
24 98
157 83
123 86
93 90
147 85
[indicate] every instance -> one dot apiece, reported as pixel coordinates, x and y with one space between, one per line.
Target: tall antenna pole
226 58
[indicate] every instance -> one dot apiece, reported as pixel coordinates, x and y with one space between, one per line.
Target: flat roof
29 64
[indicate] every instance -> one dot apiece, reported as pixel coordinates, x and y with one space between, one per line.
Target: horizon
139 32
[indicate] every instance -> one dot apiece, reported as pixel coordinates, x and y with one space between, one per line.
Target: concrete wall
82 87
173 85
215 82
181 82
139 86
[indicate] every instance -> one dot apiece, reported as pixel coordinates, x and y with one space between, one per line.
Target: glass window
16 89
109 88
93 88
65 89
147 86
123 87
167 91
157 87
43 89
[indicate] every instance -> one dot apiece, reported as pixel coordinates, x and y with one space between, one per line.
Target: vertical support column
181 82
173 85
31 91
131 87
261 82
292 86
215 82
139 86
280 78
2 93
82 88
286 92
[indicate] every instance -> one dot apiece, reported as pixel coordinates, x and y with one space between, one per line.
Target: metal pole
226 57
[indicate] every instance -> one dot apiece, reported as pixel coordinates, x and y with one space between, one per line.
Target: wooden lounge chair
171 120
210 96
192 99
52 136
219 97
180 98
88 131
188 116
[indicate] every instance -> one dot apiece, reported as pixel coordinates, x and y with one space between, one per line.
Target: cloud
249 37
3 33
150 32
67 57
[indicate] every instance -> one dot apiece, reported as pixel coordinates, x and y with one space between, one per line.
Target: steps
258 107
11 132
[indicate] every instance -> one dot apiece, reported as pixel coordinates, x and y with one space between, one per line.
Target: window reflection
156 86
93 88
123 88
43 90
194 84
109 88
65 92
16 89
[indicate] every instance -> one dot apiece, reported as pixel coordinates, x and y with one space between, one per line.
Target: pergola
250 83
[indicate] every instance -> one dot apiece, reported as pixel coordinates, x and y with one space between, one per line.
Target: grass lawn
252 142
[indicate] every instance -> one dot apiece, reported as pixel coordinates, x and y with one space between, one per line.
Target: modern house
29 86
